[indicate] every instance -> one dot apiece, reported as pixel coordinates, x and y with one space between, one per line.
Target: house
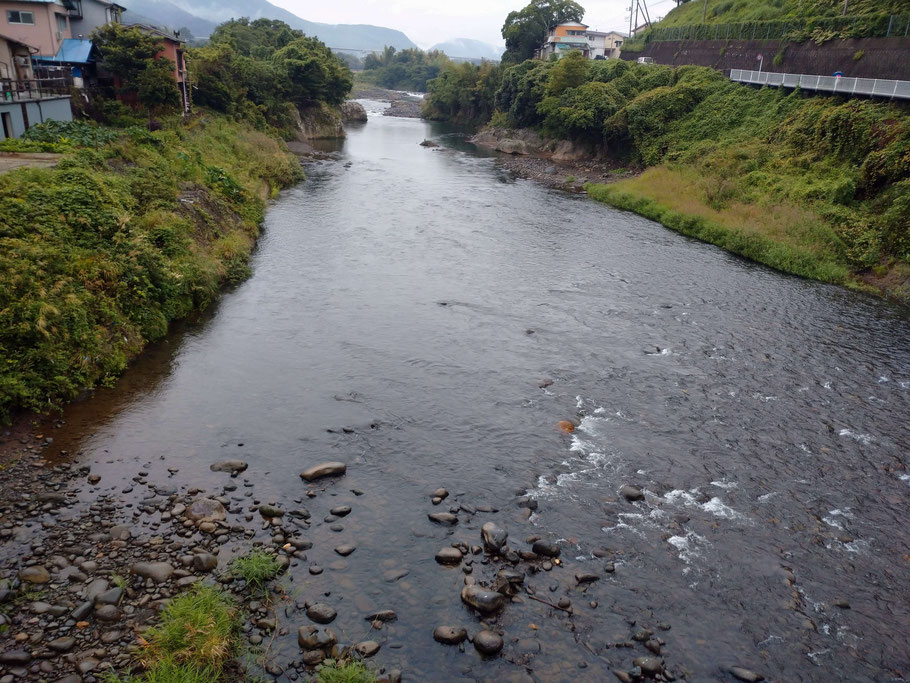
574 35
25 101
604 45
92 14
43 24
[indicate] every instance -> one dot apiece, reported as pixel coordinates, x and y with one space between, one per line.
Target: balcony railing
36 89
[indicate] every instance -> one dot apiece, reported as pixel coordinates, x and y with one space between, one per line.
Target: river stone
107 613
326 469
440 493
109 597
15 657
72 678
64 644
545 548
483 601
204 562
321 613
206 510
446 518
315 638
746 675
345 550
494 537
82 611
341 511
586 577
449 556
650 666
367 648
231 466
450 635
270 511
384 615
487 642
156 571
34 575
631 493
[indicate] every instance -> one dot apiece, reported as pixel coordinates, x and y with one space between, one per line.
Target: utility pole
636 15
630 21
704 13
846 4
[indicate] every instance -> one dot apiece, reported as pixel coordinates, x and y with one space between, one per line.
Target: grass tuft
257 567
347 671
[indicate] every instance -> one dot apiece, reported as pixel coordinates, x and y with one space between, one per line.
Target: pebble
483 601
64 644
449 556
345 550
450 635
385 615
488 643
367 648
206 510
494 537
586 577
326 469
315 638
631 493
232 466
446 518
15 657
156 571
315 570
440 493
341 510
321 613
650 666
746 675
545 548
270 511
107 613
35 575
112 596
204 562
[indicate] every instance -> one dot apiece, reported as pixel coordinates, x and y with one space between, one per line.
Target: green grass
257 568
737 11
347 671
99 254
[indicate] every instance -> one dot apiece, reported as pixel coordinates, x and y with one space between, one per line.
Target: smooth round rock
483 601
494 537
231 466
649 665
326 469
345 550
35 575
449 556
270 511
321 613
450 635
545 548
367 648
445 518
206 510
158 572
315 638
631 493
488 643
746 674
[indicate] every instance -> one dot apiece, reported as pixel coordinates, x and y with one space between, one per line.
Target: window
17 17
61 23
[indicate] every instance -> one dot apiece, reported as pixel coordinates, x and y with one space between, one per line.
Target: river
427 318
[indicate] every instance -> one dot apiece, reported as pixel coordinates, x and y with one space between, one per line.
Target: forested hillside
735 11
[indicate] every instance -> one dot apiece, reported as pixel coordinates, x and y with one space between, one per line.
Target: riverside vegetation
815 186
135 228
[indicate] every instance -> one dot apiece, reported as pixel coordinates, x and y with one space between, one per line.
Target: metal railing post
890 21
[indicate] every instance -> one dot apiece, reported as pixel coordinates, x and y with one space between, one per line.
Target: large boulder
206 510
353 111
319 122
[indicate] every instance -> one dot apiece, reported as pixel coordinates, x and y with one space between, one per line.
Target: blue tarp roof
72 51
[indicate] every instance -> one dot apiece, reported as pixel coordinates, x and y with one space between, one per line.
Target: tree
313 72
126 51
569 72
525 30
156 87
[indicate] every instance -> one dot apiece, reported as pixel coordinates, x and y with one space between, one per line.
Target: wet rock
72 678
270 511
843 604
120 533
112 596
315 569
367 648
566 426
15 657
384 616
650 666
341 511
586 577
87 665
230 466
206 510
449 556
428 143
545 548
326 469
441 493
93 479
446 518
623 676
484 601
488 643
321 613
315 638
450 635
631 493
746 675
107 613
393 575
82 611
494 537
64 644
35 575
345 550
158 572
204 562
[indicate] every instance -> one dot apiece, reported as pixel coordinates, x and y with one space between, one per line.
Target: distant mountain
210 13
469 49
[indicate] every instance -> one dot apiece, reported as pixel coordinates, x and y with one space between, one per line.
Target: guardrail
34 89
837 85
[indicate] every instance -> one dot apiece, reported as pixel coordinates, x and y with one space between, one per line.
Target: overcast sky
427 22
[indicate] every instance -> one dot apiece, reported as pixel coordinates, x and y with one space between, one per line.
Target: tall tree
525 30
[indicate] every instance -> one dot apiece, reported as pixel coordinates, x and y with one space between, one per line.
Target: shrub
257 568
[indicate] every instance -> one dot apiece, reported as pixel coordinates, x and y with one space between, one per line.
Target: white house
574 35
603 45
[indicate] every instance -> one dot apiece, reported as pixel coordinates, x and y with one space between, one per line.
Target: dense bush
403 69
97 255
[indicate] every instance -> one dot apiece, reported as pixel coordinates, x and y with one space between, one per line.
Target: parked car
646 60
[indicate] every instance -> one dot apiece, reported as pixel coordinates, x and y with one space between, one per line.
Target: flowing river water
408 309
